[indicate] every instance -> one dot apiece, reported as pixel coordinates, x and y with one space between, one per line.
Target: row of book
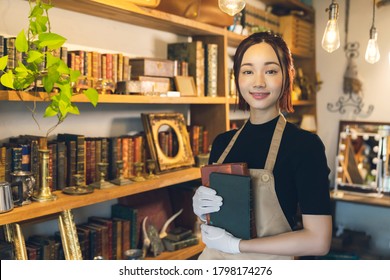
195 59
202 62
92 64
99 237
106 237
71 154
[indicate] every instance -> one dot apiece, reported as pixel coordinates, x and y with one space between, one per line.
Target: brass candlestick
43 193
78 189
151 166
102 184
120 180
138 172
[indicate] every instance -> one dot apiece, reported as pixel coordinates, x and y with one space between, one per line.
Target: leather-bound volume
238 168
236 214
171 245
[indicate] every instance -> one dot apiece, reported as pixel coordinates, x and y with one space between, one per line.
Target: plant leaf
21 43
92 95
3 62
34 56
7 79
51 40
51 60
63 68
50 112
73 109
74 74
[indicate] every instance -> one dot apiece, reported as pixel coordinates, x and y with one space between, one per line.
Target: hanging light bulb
231 7
331 38
372 52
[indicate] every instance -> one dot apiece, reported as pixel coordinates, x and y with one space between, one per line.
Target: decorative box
154 67
298 34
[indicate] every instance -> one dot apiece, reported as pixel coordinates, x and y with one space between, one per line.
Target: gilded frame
152 122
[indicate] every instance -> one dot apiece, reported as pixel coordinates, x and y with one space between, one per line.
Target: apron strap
230 145
275 143
274 148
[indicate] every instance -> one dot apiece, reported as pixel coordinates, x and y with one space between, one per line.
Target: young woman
288 165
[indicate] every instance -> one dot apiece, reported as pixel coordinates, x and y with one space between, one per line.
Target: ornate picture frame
170 152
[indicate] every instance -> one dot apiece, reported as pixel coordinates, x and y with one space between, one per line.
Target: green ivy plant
40 66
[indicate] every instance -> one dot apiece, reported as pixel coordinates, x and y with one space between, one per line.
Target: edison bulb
331 38
372 52
231 7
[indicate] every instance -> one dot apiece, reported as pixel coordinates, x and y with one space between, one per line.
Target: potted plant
40 68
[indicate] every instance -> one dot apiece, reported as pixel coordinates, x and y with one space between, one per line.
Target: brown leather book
237 168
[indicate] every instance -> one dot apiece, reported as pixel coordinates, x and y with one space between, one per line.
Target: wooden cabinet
211 112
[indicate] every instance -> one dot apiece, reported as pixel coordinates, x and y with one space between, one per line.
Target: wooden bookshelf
65 202
211 112
9 95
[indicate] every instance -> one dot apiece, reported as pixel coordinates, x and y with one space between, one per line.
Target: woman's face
260 78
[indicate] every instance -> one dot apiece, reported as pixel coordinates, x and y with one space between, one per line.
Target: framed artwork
168 140
185 85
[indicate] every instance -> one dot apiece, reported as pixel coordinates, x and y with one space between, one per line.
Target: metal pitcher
28 181
7 202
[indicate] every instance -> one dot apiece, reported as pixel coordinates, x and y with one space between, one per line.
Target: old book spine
119 76
113 157
81 160
89 70
131 157
109 66
117 239
25 157
211 70
126 236
130 214
107 223
96 65
126 68
3 151
72 162
10 48
115 67
64 54
16 159
125 156
1 46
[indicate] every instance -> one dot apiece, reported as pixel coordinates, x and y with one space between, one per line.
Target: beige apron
269 216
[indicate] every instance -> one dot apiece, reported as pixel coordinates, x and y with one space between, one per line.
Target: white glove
219 239
205 201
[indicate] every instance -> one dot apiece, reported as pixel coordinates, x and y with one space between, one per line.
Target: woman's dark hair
285 60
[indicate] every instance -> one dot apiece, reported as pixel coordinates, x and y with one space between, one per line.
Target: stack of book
179 238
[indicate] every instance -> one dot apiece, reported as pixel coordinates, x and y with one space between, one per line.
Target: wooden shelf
65 202
125 11
382 201
114 98
181 254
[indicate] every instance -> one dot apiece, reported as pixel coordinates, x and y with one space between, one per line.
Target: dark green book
127 213
236 214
